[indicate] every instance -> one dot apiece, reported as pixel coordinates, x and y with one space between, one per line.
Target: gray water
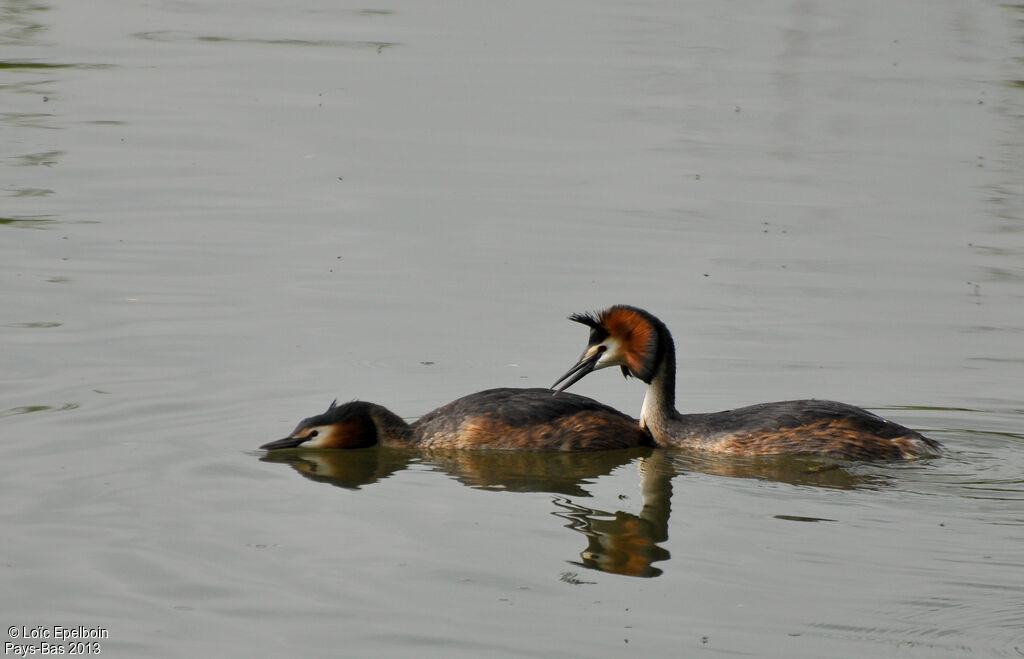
217 217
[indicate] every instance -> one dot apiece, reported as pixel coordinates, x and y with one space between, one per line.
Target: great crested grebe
642 346
505 419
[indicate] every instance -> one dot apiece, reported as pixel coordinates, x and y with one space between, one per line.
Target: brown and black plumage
501 419
642 347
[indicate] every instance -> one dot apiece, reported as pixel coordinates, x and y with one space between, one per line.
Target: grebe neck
660 401
392 430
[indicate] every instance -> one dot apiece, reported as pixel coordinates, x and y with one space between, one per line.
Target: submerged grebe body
642 346
503 419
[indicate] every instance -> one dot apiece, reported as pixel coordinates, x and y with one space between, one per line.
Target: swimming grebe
642 346
509 419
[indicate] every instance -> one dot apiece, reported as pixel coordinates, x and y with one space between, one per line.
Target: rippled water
217 218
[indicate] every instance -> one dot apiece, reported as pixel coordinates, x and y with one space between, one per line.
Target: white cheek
612 355
318 441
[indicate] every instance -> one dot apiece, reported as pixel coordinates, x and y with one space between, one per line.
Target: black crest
588 319
597 331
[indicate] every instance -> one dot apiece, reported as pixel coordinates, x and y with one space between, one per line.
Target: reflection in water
169 37
526 471
619 542
350 469
22 27
45 66
28 222
29 409
801 518
36 324
45 159
20 23
30 192
554 472
794 470
624 543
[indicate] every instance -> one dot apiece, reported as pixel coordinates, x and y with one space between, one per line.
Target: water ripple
169 36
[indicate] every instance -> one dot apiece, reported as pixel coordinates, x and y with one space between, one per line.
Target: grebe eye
601 348
312 434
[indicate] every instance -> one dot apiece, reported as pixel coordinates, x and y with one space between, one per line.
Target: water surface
217 218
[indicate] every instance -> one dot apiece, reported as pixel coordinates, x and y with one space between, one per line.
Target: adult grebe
507 419
642 346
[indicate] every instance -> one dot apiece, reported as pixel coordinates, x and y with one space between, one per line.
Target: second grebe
508 419
642 346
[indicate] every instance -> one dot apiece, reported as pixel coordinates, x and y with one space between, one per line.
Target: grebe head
342 426
622 336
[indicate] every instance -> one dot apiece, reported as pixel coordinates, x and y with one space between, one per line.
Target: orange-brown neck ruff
629 327
646 345
356 432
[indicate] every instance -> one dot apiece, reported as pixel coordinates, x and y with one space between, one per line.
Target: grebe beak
584 366
287 442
